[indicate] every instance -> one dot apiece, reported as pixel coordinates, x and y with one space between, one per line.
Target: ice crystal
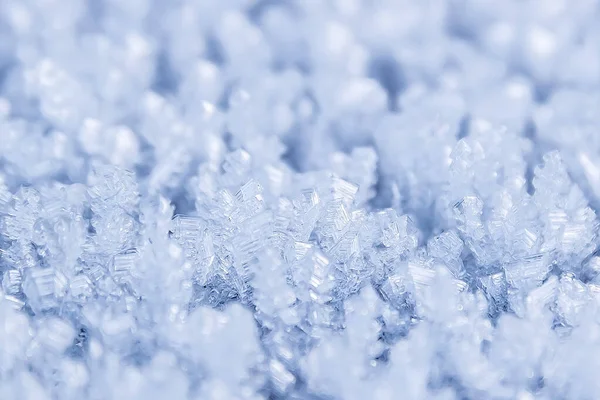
346 199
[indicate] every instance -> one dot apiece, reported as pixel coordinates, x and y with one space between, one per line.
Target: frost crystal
344 199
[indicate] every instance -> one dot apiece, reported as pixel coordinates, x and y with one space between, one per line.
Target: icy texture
303 199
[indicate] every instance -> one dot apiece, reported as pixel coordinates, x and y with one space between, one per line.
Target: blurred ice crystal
347 199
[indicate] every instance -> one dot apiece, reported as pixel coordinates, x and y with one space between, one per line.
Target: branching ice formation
303 199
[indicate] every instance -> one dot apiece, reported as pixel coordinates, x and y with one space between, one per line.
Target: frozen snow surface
301 199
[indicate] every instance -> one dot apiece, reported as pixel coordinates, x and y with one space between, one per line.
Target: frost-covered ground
303 199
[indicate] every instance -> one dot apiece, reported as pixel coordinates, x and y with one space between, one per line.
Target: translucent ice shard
398 290
123 265
495 289
12 282
572 299
448 247
44 288
321 278
542 296
528 272
282 378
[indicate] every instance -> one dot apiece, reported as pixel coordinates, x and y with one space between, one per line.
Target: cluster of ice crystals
254 199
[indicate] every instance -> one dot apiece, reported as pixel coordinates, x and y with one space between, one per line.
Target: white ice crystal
256 199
